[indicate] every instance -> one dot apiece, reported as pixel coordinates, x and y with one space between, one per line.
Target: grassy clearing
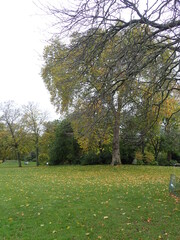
88 202
14 163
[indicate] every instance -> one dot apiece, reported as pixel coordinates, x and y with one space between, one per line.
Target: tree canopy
160 21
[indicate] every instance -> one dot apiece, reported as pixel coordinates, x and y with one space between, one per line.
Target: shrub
172 162
162 159
28 159
31 157
105 157
139 158
127 152
148 158
90 158
43 158
176 156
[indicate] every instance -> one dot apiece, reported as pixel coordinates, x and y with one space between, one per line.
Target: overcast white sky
22 41
21 45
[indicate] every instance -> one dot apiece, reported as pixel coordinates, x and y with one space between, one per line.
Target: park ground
88 202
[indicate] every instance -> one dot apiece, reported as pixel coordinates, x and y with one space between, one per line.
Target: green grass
88 202
14 163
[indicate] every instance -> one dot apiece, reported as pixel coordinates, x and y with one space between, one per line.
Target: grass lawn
88 202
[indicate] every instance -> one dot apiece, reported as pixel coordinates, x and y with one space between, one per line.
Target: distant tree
48 136
5 143
170 133
34 120
64 148
11 117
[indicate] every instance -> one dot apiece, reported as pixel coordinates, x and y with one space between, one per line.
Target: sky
24 34
23 38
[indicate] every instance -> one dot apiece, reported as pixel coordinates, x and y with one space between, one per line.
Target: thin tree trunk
116 158
101 152
169 156
143 146
37 155
37 150
18 158
156 151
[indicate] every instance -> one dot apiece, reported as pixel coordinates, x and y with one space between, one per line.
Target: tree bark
169 156
18 158
37 156
37 149
116 158
101 152
143 146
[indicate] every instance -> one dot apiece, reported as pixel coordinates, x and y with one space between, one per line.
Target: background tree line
21 129
25 134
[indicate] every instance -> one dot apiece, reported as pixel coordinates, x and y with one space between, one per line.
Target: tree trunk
37 156
143 146
101 152
116 158
37 149
18 158
156 151
169 156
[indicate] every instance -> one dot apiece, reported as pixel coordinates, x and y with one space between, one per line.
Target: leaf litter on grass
100 200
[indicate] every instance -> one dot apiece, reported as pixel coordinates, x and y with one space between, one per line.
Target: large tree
143 39
96 88
89 92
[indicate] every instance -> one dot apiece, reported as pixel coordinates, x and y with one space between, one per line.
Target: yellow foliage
149 157
169 106
139 156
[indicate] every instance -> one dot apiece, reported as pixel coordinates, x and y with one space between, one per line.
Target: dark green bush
31 157
64 149
28 159
90 158
105 157
176 156
162 159
172 162
127 152
43 158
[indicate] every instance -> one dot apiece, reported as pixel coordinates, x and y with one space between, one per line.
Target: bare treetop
85 14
